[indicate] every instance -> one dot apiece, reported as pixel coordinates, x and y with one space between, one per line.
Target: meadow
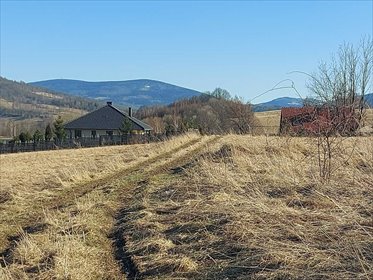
193 207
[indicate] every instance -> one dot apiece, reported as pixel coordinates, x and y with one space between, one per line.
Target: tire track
68 197
122 255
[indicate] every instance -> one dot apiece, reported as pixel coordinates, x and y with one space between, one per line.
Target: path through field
193 207
48 228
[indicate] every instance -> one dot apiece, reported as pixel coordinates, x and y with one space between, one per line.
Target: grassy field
211 207
269 122
369 117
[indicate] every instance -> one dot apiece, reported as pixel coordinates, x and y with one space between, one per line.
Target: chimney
109 103
130 111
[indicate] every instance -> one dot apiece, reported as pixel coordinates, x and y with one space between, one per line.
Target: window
78 133
110 134
93 134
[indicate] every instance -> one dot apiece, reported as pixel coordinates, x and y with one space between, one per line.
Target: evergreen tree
59 129
28 136
22 137
37 137
126 126
48 133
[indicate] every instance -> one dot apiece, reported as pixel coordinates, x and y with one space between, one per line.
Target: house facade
105 121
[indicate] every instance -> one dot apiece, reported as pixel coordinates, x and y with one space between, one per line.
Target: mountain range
134 93
278 103
145 92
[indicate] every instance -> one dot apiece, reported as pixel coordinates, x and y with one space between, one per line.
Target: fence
15 147
106 140
265 130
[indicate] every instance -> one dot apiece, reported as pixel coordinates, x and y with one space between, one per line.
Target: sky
246 47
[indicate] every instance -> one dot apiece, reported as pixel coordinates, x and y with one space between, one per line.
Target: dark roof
289 112
105 118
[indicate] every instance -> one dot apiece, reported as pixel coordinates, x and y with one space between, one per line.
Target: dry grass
269 118
269 122
254 207
241 207
369 117
73 246
69 241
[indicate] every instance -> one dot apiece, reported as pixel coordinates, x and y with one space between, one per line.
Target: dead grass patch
68 241
254 207
242 207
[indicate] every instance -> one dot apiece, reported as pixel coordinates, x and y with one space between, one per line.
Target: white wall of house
89 134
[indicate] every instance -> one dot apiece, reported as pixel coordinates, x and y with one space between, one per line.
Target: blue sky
245 47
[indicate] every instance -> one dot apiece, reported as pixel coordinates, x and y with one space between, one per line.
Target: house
310 120
106 121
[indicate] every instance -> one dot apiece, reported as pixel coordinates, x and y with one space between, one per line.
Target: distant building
106 121
312 120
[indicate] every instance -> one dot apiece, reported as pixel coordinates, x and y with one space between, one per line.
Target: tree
340 86
346 79
48 133
37 137
220 94
28 136
59 129
170 128
241 116
22 137
126 127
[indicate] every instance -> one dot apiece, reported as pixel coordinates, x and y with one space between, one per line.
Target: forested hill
18 99
136 93
209 113
25 108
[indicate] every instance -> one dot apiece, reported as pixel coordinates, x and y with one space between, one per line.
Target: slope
278 103
25 107
133 92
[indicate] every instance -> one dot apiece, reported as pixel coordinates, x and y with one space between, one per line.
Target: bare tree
346 80
241 116
341 86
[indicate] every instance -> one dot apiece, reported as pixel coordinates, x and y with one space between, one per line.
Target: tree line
56 132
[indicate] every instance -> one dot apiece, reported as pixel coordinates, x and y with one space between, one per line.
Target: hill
26 107
208 113
133 92
369 99
278 103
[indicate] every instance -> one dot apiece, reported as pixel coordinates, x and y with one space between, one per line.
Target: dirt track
124 182
175 163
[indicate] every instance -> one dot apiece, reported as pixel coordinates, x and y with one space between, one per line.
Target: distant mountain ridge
278 103
369 99
145 92
137 93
